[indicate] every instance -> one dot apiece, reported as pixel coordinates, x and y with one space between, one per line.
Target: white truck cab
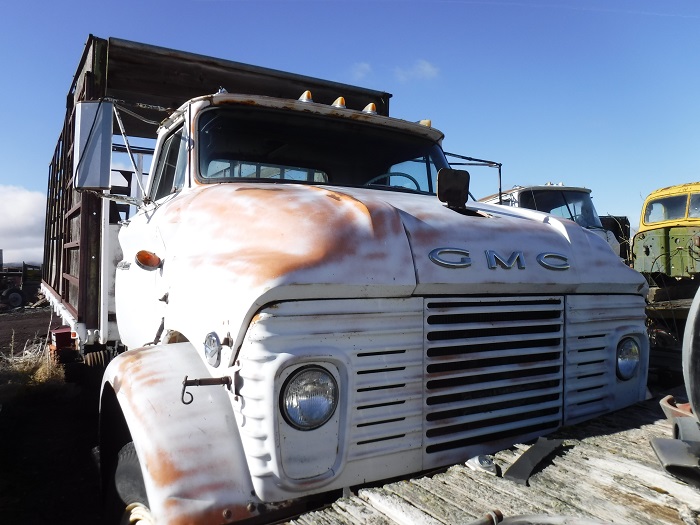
567 202
306 301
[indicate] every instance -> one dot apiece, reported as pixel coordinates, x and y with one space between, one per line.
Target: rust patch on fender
162 469
213 516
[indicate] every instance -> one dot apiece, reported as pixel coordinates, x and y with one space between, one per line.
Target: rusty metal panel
191 459
670 250
141 75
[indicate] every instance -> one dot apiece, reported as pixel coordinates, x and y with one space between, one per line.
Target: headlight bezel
296 420
628 356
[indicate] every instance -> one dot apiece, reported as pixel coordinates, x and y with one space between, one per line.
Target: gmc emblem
458 258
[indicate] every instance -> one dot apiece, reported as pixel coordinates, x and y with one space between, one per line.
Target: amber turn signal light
148 260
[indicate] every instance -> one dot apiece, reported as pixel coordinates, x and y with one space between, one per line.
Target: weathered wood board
605 470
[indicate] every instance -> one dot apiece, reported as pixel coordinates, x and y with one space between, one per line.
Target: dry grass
31 367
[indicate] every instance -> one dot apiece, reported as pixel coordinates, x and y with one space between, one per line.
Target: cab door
141 291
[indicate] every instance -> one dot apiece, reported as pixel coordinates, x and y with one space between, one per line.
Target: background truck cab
568 202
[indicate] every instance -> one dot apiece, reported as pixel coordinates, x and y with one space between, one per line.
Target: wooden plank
483 492
605 470
397 509
345 511
358 510
441 485
428 497
324 517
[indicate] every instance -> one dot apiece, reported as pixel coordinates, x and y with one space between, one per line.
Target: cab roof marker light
426 122
306 96
370 108
339 103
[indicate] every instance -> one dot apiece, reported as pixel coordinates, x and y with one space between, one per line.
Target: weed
33 366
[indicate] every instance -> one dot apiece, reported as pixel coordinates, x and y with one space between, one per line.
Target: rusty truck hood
251 244
270 235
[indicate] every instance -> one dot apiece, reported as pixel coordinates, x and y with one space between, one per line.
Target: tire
131 500
14 297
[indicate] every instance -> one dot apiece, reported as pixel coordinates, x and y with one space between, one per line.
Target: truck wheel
14 297
130 488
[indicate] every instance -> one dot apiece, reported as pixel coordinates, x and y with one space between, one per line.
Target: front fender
191 457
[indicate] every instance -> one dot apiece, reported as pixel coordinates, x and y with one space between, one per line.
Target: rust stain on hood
265 233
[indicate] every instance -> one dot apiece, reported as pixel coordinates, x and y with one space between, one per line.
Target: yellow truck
666 250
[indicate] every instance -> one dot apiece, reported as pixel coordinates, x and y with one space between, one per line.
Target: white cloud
22 214
360 71
420 70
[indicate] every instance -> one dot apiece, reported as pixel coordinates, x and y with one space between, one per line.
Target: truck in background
18 283
568 202
299 297
666 250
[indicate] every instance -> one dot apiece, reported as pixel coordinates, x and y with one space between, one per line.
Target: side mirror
453 187
92 146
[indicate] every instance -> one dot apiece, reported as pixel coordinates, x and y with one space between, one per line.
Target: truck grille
494 370
432 381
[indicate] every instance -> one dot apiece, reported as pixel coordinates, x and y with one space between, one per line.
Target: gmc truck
298 298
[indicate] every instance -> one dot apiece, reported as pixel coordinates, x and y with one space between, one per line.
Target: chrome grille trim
494 369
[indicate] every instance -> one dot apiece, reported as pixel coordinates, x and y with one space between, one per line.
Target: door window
171 167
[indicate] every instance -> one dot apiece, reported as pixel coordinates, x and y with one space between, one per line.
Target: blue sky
597 93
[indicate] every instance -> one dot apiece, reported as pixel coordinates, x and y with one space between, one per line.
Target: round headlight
309 397
212 349
628 356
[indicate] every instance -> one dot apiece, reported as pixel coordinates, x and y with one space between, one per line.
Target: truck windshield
672 208
574 205
237 144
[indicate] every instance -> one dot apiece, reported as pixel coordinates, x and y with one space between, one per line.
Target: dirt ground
18 327
47 432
